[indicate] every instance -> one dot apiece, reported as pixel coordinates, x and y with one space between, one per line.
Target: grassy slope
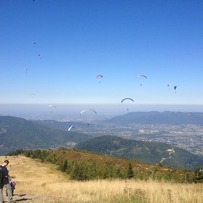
41 182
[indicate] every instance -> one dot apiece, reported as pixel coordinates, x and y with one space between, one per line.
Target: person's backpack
1 174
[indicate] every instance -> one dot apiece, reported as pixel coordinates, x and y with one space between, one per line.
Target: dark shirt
5 175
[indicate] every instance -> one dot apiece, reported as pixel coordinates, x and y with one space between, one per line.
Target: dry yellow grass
43 183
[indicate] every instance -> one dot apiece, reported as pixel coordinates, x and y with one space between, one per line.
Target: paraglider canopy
72 126
99 76
141 75
88 114
170 151
127 98
169 85
88 110
52 106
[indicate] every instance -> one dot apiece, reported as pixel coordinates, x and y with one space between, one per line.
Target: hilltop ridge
148 152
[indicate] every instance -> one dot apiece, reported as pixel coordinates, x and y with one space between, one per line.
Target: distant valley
180 129
170 129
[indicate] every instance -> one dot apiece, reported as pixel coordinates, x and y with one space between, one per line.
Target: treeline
80 169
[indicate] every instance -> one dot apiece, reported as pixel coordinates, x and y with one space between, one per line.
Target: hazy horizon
72 111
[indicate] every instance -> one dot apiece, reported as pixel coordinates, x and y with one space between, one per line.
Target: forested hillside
149 152
81 165
19 133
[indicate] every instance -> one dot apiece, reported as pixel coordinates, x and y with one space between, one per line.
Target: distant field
41 182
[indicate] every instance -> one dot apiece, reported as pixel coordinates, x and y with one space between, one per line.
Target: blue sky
51 51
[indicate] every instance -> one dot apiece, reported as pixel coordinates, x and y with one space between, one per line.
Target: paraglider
99 77
170 151
51 107
88 110
143 76
163 159
72 126
169 85
39 55
88 113
175 87
127 98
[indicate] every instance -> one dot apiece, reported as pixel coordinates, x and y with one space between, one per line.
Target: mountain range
18 133
155 117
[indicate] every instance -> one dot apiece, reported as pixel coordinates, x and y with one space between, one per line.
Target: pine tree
63 167
198 175
130 171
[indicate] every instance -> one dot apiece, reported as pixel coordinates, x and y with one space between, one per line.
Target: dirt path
27 198
31 178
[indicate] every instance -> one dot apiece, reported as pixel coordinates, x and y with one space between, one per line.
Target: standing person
5 182
13 186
